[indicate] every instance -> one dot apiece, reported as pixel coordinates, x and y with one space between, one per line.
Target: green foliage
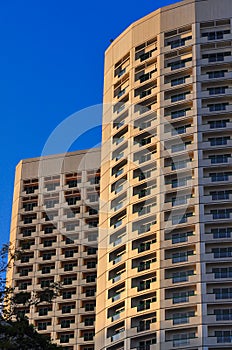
15 331
20 335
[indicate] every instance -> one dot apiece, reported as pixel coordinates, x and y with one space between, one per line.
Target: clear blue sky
51 65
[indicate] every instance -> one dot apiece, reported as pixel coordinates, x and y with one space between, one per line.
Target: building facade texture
164 272
54 222
165 248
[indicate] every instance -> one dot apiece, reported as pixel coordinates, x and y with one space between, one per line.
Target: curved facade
165 248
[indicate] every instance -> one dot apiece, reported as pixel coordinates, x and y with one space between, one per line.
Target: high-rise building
54 222
165 242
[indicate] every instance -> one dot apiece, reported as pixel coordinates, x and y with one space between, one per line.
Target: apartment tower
54 222
165 247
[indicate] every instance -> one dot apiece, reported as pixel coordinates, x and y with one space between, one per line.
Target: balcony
219 60
152 91
205 77
174 103
178 203
117 336
180 65
187 320
176 167
187 81
135 331
180 280
184 40
116 297
179 117
206 144
209 199
206 127
186 259
206 93
185 149
207 111
173 133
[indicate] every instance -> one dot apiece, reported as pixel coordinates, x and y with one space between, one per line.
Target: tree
15 331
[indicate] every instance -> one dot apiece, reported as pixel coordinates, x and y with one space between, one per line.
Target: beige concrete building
54 220
165 248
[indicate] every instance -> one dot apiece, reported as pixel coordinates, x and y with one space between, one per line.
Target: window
89 307
70 253
223 314
182 317
179 81
67 308
219 141
223 336
180 113
145 304
222 272
179 64
145 284
48 255
42 326
180 182
71 226
222 252
180 130
223 293
215 35
64 338
222 176
46 283
72 183
180 164
89 321
73 200
69 267
90 292
216 57
217 90
183 338
43 311
220 195
181 219
179 42
47 269
91 264
51 203
181 256
219 158
68 294
29 219
217 107
222 232
181 237
48 229
91 251
221 213
29 206
66 323
218 123
181 276
182 297
179 97
69 280
91 278
217 74
88 336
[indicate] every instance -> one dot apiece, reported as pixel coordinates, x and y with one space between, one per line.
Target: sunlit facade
54 222
165 241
